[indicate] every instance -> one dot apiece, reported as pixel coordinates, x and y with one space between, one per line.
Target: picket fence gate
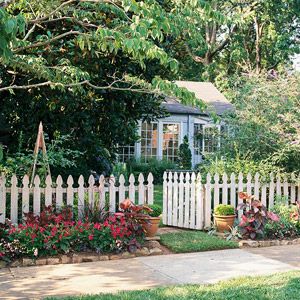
16 200
189 199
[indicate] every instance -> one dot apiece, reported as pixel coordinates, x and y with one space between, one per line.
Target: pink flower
91 237
97 226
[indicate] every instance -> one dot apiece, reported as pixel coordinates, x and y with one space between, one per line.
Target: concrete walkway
144 272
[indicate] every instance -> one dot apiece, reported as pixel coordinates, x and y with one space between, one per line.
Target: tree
265 125
85 68
185 155
250 37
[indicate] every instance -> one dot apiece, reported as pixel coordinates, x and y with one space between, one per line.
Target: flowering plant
53 233
255 217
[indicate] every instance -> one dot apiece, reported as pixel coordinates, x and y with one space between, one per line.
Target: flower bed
260 227
51 234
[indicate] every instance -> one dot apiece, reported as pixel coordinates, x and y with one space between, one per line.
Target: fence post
216 190
181 199
91 182
170 198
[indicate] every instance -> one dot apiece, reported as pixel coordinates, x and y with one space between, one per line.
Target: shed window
125 153
171 141
149 140
206 138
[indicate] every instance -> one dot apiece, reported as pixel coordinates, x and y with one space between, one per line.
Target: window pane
149 140
170 141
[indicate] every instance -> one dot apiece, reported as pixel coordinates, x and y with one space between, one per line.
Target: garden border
267 243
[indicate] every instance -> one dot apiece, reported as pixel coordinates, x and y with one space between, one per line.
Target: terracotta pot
150 225
224 223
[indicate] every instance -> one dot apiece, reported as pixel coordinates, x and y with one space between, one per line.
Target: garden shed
160 139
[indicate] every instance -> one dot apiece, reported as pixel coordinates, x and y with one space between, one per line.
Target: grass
158 195
194 241
283 286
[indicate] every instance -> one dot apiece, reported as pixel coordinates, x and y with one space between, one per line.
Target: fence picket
256 186
249 184
180 195
225 189
131 188
70 191
37 195
175 200
91 195
48 191
141 188
285 189
293 188
112 193
2 199
81 204
216 190
232 190
271 191
101 190
199 202
192 201
264 194
165 197
170 197
25 195
207 207
187 199
14 199
278 186
150 189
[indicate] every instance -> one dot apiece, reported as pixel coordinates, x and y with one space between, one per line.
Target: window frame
179 124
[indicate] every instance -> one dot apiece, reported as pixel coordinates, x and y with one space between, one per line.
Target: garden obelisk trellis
39 145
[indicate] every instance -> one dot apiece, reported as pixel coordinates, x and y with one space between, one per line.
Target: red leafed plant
129 208
255 217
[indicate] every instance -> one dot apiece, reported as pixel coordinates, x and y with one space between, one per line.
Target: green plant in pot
151 220
147 215
224 216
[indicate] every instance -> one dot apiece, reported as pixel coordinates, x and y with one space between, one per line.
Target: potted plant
147 215
150 221
224 217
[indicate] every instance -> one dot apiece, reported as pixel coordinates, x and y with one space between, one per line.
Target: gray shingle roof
204 91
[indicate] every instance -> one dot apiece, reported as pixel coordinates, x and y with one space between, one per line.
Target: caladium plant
255 217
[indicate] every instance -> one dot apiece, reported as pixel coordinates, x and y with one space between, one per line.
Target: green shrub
185 155
287 227
156 210
224 210
156 167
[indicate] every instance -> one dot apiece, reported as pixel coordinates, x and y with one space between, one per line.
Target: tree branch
40 44
81 83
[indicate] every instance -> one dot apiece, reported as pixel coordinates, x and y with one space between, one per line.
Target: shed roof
205 91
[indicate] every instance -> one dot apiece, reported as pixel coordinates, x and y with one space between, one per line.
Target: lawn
158 195
284 286
194 241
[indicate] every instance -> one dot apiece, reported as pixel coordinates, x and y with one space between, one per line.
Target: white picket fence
189 199
19 198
